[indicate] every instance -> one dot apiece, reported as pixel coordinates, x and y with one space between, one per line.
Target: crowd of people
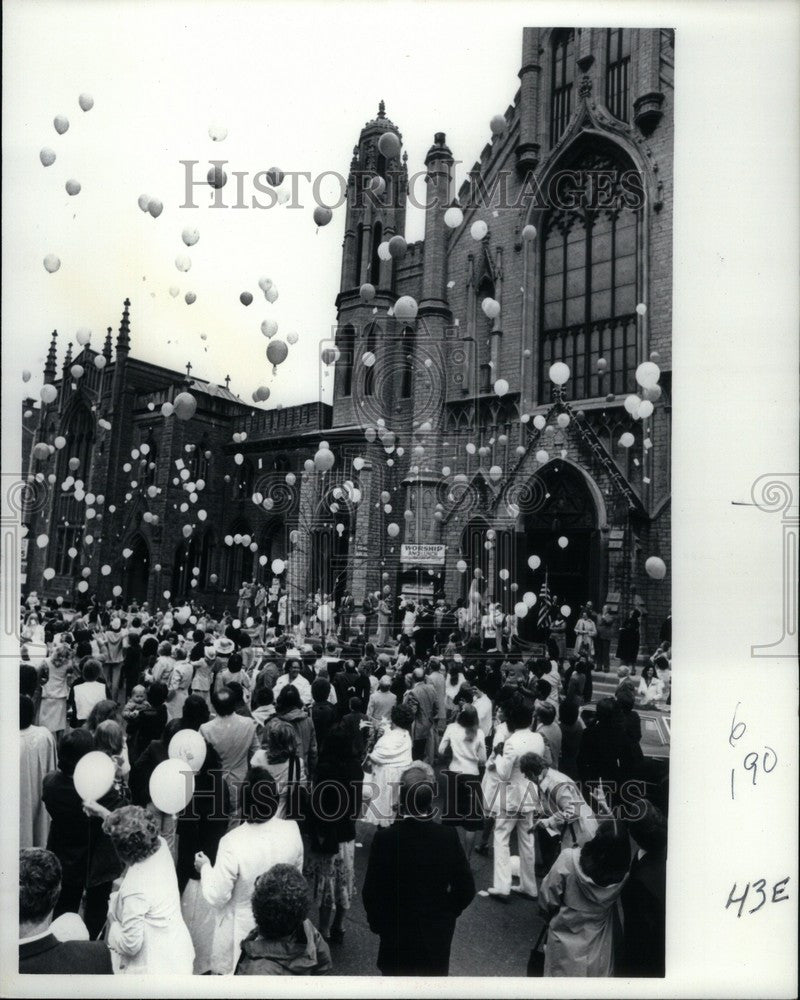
405 716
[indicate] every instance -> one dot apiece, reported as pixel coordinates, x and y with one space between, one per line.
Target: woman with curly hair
385 763
284 942
281 758
146 932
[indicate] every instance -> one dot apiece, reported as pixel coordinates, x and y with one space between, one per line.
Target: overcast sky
293 85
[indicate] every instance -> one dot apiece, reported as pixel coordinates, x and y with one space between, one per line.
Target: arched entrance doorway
563 507
137 572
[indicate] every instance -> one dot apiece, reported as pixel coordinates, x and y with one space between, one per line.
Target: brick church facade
452 445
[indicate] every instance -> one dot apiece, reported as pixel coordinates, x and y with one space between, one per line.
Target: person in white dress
585 633
145 930
244 853
386 762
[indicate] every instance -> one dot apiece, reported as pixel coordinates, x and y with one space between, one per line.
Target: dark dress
204 821
416 915
644 908
628 644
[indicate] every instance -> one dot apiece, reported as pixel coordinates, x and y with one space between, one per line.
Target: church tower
376 212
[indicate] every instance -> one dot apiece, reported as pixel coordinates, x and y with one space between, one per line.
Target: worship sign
422 555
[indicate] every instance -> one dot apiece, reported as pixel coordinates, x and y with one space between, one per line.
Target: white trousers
503 825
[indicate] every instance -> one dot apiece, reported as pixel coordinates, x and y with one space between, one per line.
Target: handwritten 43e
753 761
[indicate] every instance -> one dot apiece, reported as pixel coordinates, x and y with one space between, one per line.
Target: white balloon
51 263
86 102
501 387
73 187
656 568
94 775
217 133
190 236
520 609
189 746
559 373
47 156
453 217
171 786
61 124
491 308
478 230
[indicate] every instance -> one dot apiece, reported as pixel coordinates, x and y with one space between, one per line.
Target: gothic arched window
370 346
618 58
483 335
563 74
375 261
407 345
589 284
346 349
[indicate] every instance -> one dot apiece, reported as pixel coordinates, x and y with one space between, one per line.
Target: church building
491 418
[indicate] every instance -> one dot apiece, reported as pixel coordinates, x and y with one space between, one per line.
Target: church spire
381 109
50 364
124 338
68 355
107 345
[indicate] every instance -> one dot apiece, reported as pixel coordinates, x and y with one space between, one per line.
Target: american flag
544 604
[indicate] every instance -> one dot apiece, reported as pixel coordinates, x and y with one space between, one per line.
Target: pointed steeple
124 338
50 364
107 345
381 109
68 355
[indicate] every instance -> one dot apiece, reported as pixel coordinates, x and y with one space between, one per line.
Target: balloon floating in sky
184 406
271 294
478 230
291 338
61 124
100 362
155 207
559 373
641 308
265 284
86 102
324 460
276 353
190 298
217 178
143 201
498 124
174 291
655 568
190 236
626 439
269 328
647 374
453 217
183 263
389 145
246 298
322 215
51 263
501 387
47 156
262 393
563 542
529 232
26 375
383 251
73 187
367 292
217 133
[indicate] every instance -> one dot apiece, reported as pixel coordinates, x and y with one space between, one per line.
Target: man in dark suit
644 896
40 952
415 912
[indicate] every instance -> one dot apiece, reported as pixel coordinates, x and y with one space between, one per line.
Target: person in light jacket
517 800
146 932
244 853
579 896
